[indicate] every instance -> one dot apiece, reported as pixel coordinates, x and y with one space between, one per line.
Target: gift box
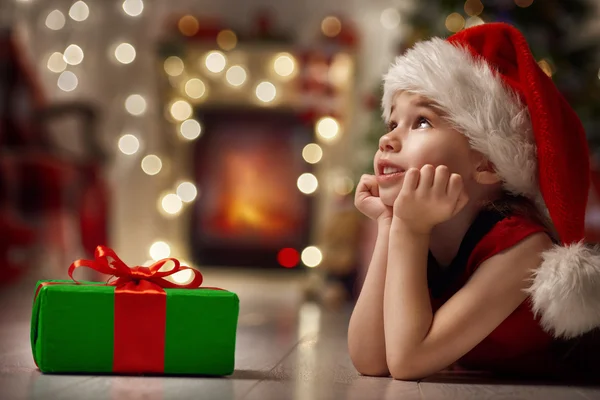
141 323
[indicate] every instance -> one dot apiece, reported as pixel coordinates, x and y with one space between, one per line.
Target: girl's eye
422 122
392 126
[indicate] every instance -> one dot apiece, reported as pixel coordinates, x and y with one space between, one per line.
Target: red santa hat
495 93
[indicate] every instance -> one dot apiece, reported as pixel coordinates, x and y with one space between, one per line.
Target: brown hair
509 204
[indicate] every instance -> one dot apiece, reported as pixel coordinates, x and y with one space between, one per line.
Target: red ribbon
140 308
125 274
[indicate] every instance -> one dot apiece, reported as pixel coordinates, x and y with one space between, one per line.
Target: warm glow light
311 256
266 92
390 18
129 144
159 250
523 3
67 81
455 22
55 20
182 277
73 54
341 69
171 204
327 128
331 26
312 153
227 40
195 88
473 7
236 75
135 104
188 25
125 53
56 63
181 110
473 21
187 191
151 164
307 183
79 11
284 64
133 8
190 129
215 61
343 185
173 66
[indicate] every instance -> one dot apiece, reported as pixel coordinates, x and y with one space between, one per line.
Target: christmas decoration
143 322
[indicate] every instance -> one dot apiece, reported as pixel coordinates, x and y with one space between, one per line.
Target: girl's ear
485 172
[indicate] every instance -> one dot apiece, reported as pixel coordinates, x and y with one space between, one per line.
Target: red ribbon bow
124 274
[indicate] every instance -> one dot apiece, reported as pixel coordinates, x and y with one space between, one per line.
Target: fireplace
246 165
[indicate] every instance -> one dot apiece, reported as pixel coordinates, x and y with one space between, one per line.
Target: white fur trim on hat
566 290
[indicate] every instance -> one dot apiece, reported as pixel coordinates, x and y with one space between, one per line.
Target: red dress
518 345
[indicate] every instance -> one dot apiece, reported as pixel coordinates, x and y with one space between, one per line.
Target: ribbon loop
117 268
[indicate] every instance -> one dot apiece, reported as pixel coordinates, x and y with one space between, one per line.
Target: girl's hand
367 199
428 197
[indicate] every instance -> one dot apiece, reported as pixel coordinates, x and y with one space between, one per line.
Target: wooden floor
286 349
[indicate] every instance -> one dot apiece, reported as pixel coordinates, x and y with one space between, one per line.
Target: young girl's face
417 135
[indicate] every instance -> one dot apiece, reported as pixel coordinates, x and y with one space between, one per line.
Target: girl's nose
389 143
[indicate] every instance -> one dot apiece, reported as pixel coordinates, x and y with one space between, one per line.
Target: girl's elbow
372 369
368 365
405 370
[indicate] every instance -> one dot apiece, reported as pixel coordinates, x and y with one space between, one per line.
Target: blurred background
229 134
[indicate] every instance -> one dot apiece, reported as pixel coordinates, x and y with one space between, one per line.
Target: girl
479 193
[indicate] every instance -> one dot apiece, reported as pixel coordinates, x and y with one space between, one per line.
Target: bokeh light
327 128
188 25
236 76
455 22
215 61
181 110
56 63
67 81
135 104
288 257
129 144
312 153
266 92
195 88
173 66
133 8
125 53
190 129
307 183
151 164
311 256
55 20
284 65
226 39
331 26
73 54
159 250
187 191
79 11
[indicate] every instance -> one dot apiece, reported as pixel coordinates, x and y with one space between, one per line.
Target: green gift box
135 325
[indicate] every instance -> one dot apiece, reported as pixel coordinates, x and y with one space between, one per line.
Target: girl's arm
366 343
418 343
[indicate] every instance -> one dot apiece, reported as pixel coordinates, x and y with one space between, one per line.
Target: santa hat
495 93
